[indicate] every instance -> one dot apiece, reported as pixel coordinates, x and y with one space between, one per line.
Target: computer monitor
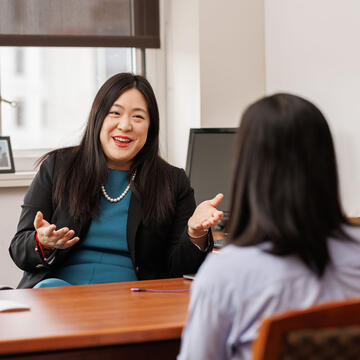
209 164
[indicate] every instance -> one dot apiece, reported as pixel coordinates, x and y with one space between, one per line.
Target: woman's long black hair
84 170
285 181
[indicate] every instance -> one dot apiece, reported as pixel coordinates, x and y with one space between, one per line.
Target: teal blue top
103 255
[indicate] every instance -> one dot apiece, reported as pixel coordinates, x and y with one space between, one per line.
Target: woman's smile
122 141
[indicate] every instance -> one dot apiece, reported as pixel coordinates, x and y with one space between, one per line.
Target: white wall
232 59
10 202
312 49
214 65
182 75
156 74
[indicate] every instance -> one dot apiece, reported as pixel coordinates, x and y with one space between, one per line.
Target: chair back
327 331
354 220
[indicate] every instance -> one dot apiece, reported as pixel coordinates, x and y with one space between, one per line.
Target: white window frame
25 159
155 71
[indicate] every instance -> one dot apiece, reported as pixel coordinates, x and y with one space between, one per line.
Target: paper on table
189 276
7 305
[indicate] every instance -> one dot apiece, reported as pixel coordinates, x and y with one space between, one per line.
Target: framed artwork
6 156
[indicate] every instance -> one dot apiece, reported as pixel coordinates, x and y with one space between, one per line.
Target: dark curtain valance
100 23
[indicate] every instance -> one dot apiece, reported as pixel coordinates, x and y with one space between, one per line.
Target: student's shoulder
230 263
353 230
247 270
344 251
234 256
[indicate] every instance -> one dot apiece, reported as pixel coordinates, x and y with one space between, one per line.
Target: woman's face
124 130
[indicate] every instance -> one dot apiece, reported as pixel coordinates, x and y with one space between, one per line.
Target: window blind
85 23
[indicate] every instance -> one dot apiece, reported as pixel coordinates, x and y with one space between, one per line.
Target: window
106 23
19 113
19 60
56 89
54 85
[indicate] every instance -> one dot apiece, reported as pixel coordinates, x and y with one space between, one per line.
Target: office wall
182 75
232 59
10 202
214 65
312 50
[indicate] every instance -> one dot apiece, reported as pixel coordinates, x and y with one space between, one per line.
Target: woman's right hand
52 238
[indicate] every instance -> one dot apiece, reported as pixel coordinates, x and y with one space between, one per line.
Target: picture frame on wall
6 156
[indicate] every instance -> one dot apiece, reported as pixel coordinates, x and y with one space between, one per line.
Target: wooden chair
328 331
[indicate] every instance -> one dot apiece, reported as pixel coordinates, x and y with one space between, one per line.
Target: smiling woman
111 209
124 130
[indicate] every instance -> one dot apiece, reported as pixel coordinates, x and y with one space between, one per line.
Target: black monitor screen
209 163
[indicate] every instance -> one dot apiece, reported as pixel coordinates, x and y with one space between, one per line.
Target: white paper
6 305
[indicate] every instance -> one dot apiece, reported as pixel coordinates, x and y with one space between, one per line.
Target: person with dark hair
289 244
111 209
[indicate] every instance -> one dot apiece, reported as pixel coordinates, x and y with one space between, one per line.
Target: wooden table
104 321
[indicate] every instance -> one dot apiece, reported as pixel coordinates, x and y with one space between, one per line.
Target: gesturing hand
52 238
204 216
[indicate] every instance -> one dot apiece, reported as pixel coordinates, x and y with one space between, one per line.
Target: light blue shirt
237 286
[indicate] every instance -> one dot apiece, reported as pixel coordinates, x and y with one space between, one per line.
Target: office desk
104 321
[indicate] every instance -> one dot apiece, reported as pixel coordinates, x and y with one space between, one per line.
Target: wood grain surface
93 316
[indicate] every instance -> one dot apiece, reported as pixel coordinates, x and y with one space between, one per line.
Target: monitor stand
219 233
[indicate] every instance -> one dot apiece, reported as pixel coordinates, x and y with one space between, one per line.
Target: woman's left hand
205 216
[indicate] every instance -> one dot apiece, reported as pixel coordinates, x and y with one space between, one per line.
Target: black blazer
156 253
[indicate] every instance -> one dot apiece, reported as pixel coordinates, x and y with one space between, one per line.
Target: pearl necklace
107 197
